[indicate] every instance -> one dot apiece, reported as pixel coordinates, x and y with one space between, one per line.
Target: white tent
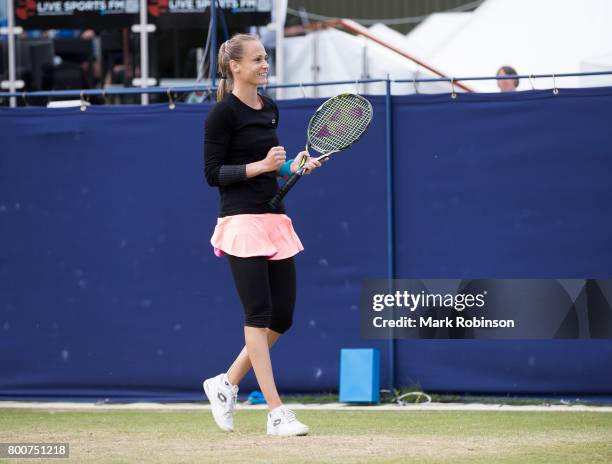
597 64
332 55
435 32
533 36
392 36
424 40
400 41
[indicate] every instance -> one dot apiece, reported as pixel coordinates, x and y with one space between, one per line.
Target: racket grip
285 189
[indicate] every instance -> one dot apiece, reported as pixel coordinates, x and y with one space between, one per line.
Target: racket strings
339 123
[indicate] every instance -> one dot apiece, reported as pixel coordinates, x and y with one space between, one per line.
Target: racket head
339 122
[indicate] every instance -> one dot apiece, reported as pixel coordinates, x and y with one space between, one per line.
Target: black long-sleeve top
235 135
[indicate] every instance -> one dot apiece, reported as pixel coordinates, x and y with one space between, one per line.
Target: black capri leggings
266 289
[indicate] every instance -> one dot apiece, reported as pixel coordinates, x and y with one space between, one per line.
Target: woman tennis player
243 158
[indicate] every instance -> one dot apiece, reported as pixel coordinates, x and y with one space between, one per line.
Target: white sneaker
282 422
222 396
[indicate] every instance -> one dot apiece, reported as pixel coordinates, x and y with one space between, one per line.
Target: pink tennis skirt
248 235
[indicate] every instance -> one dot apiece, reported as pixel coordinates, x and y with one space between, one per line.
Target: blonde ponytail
230 50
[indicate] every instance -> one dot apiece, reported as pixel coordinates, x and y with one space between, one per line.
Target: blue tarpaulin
109 287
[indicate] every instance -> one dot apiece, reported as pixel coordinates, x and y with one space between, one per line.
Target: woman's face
253 68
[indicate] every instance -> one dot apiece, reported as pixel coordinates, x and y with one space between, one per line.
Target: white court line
314 407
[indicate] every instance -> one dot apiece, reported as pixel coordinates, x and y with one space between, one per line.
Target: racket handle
285 189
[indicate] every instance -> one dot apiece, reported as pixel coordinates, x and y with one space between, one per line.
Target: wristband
285 169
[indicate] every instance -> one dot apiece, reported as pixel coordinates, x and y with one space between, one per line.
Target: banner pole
213 42
11 51
279 64
144 52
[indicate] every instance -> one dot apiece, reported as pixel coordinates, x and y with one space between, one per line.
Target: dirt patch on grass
108 446
192 438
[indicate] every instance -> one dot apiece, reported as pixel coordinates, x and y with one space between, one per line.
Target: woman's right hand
274 159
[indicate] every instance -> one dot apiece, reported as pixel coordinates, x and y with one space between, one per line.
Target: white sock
276 409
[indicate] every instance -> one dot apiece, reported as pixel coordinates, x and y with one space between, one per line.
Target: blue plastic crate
359 375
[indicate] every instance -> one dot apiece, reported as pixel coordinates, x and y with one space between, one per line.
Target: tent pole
315 63
280 40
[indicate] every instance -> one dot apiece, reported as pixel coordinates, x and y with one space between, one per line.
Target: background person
507 85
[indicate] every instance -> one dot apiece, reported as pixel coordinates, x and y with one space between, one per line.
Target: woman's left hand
310 165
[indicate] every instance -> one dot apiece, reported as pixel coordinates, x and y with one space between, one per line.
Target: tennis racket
336 125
